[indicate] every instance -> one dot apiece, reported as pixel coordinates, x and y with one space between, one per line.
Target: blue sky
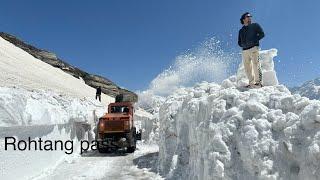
130 42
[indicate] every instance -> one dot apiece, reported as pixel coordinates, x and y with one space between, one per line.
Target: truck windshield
119 109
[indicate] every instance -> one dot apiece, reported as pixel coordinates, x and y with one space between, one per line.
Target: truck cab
116 128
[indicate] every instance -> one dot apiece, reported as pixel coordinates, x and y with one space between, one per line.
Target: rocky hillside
108 87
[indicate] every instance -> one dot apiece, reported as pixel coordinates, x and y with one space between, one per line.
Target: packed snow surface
93 165
225 131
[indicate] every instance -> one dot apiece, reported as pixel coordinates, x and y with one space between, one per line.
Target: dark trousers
98 96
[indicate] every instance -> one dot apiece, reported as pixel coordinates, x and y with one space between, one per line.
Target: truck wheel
103 150
131 149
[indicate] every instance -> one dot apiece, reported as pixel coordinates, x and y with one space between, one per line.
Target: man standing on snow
98 93
249 36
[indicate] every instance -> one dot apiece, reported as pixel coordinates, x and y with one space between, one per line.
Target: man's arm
239 39
260 32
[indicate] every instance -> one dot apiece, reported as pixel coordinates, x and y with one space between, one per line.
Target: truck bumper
114 140
114 144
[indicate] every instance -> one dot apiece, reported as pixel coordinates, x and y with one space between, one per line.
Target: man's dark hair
243 17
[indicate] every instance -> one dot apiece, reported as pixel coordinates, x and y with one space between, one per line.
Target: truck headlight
101 125
126 125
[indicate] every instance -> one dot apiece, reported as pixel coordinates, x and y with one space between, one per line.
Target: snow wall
46 115
213 131
149 121
144 121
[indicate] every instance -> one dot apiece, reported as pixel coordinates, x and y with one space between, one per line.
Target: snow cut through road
94 165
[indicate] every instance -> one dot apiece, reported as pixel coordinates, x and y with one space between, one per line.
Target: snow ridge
213 131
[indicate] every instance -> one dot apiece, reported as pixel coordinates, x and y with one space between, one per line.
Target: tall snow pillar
269 76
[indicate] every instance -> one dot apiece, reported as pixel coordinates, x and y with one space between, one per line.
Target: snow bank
213 131
46 115
150 103
144 122
20 107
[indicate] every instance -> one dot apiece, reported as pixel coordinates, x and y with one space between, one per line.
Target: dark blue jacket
249 36
98 91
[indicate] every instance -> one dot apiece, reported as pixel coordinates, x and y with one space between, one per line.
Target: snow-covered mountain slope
310 89
213 131
107 86
20 69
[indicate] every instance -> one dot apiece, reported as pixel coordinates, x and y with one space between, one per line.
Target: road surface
140 165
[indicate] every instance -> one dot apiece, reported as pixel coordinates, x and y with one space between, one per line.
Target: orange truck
116 129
